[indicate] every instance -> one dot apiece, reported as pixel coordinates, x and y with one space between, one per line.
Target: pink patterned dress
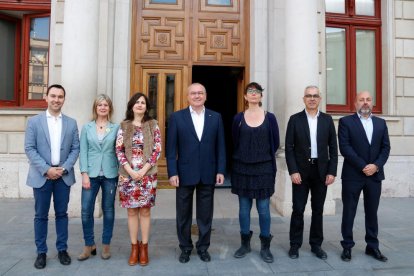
138 194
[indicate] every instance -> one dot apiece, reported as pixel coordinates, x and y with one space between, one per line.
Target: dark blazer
193 160
356 150
298 145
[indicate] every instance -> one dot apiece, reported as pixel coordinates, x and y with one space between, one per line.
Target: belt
54 166
313 161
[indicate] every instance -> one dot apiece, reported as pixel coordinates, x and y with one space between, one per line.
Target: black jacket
298 145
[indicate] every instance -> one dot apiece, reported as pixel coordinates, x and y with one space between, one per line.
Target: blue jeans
262 205
108 186
43 196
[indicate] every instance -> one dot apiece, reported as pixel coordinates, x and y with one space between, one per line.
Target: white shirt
54 125
313 127
368 126
198 121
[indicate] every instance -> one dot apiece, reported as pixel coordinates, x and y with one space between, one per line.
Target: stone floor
396 217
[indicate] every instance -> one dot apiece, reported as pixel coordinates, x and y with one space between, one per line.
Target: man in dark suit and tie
312 159
52 147
196 160
365 146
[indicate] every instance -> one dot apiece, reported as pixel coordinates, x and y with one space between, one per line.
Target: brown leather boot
143 254
87 252
133 258
106 252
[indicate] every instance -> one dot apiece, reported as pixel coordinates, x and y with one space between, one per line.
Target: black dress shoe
184 256
317 250
40 261
294 252
64 257
204 256
346 255
376 253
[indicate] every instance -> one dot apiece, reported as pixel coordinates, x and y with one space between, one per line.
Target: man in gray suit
52 147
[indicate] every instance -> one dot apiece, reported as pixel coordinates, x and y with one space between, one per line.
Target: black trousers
300 193
204 215
351 190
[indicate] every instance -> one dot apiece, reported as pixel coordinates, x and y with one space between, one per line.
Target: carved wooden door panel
203 32
162 31
163 88
218 29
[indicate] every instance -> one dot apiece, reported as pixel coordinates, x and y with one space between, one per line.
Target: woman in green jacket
99 168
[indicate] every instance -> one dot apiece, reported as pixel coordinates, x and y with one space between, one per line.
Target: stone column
259 46
79 70
301 69
121 57
80 57
106 47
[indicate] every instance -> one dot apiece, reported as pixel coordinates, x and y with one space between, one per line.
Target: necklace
101 126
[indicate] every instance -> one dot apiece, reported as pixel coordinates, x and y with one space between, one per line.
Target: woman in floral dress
138 147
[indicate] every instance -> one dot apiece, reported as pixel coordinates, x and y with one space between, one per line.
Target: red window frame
25 102
351 23
29 5
30 9
16 68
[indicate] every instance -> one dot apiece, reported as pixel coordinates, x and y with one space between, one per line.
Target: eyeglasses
196 93
312 96
253 91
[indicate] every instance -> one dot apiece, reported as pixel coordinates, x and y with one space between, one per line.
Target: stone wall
404 62
13 161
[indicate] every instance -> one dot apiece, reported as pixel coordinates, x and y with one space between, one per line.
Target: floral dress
138 194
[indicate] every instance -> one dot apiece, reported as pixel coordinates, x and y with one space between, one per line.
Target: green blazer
94 156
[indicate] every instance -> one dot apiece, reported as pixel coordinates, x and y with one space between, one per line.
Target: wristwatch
64 171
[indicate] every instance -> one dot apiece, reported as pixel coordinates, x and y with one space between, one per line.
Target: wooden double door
172 37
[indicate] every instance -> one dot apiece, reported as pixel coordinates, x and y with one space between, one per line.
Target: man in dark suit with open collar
365 146
196 160
312 159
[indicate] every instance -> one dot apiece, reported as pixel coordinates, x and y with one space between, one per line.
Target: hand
219 179
174 181
86 183
137 175
296 179
54 173
370 169
329 179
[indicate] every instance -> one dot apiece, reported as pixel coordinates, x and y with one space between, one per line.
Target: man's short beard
365 111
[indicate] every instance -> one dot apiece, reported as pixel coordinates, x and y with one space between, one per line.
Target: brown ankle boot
106 253
87 252
143 254
133 258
